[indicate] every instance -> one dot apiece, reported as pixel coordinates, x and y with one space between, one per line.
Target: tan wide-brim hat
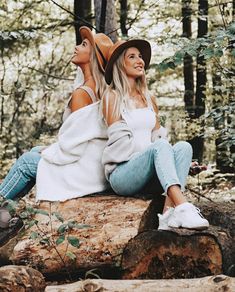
116 50
101 44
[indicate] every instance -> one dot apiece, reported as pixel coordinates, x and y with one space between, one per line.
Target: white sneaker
186 215
163 219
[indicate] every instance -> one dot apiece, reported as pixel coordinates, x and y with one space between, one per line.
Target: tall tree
188 60
105 17
82 11
123 16
201 63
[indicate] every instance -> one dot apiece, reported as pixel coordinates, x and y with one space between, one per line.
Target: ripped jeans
169 163
22 175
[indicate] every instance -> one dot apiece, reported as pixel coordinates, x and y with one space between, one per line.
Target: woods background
191 75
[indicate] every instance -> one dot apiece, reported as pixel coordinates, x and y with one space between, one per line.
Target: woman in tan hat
137 150
71 167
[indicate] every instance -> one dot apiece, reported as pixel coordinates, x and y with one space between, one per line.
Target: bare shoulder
80 98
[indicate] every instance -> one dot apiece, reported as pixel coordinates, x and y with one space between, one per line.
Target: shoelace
197 210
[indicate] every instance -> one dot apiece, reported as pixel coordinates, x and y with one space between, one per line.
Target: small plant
48 238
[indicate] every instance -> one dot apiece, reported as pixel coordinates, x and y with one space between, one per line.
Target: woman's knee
160 145
185 147
28 158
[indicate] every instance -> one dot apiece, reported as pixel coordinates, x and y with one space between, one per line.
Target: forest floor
211 185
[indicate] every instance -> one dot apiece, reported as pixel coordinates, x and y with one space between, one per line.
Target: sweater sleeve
119 147
79 128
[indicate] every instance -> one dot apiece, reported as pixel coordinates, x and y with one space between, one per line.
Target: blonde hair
100 84
121 89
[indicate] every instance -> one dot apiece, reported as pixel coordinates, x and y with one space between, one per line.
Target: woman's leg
183 157
22 175
130 177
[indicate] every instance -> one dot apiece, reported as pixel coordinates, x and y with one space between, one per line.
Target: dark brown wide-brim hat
116 50
101 44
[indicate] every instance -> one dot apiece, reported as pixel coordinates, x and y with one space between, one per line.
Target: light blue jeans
169 163
22 175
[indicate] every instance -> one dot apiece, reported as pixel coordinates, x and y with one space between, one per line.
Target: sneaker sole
191 228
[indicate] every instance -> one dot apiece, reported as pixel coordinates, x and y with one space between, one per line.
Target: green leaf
81 226
31 210
24 215
34 235
58 216
62 228
60 239
218 53
31 223
73 241
11 206
41 211
71 255
45 241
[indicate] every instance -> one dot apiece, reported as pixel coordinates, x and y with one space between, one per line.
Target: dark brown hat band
101 54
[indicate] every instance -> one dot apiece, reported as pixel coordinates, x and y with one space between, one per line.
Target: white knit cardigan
71 167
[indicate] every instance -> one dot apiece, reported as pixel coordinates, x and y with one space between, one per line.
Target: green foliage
58 216
60 239
71 255
212 47
36 42
73 241
46 235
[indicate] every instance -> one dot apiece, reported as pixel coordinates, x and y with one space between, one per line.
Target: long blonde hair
121 88
100 84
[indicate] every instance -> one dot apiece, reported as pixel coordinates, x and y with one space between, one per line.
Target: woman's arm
158 130
155 107
80 98
108 109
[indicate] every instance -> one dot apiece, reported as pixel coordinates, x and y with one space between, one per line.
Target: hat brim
142 45
86 33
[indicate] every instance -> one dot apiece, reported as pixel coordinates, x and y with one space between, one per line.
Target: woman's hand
160 133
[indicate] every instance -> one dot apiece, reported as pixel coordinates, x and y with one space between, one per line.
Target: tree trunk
82 10
21 279
198 141
123 17
208 284
201 63
105 17
111 222
188 60
120 239
181 253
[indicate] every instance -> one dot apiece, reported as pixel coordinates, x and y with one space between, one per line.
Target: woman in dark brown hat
137 151
64 157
